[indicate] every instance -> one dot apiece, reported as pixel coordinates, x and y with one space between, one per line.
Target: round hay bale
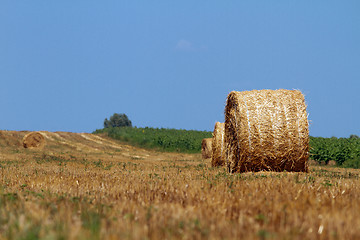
206 148
266 130
312 162
218 145
331 163
33 140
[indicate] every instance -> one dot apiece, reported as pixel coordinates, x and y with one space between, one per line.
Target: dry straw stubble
33 140
266 130
218 146
206 148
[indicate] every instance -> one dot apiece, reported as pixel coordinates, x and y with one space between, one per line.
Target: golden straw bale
33 140
206 148
218 146
266 130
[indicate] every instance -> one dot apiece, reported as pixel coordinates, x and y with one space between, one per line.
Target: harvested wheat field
84 186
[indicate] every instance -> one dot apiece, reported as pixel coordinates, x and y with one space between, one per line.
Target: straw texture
206 148
33 140
218 145
266 130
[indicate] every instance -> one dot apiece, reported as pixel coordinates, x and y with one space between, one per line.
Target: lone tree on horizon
117 120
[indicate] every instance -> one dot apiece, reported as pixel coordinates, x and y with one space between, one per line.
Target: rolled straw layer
33 140
266 130
218 146
206 148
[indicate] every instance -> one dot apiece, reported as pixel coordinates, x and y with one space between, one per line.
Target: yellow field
81 186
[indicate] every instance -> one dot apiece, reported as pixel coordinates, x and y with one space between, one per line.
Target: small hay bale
206 148
33 140
218 145
312 162
331 163
266 130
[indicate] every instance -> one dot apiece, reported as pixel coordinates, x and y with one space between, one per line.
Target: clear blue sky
67 65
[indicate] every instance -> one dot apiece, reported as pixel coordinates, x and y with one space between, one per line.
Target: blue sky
67 65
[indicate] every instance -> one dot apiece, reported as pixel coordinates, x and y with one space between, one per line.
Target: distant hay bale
218 145
312 162
266 130
331 163
206 148
33 140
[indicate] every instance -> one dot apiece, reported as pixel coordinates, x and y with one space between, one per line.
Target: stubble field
84 186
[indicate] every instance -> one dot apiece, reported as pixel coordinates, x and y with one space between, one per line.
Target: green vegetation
345 151
171 140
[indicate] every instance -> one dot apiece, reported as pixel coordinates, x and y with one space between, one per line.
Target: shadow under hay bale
266 130
206 148
218 146
33 140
